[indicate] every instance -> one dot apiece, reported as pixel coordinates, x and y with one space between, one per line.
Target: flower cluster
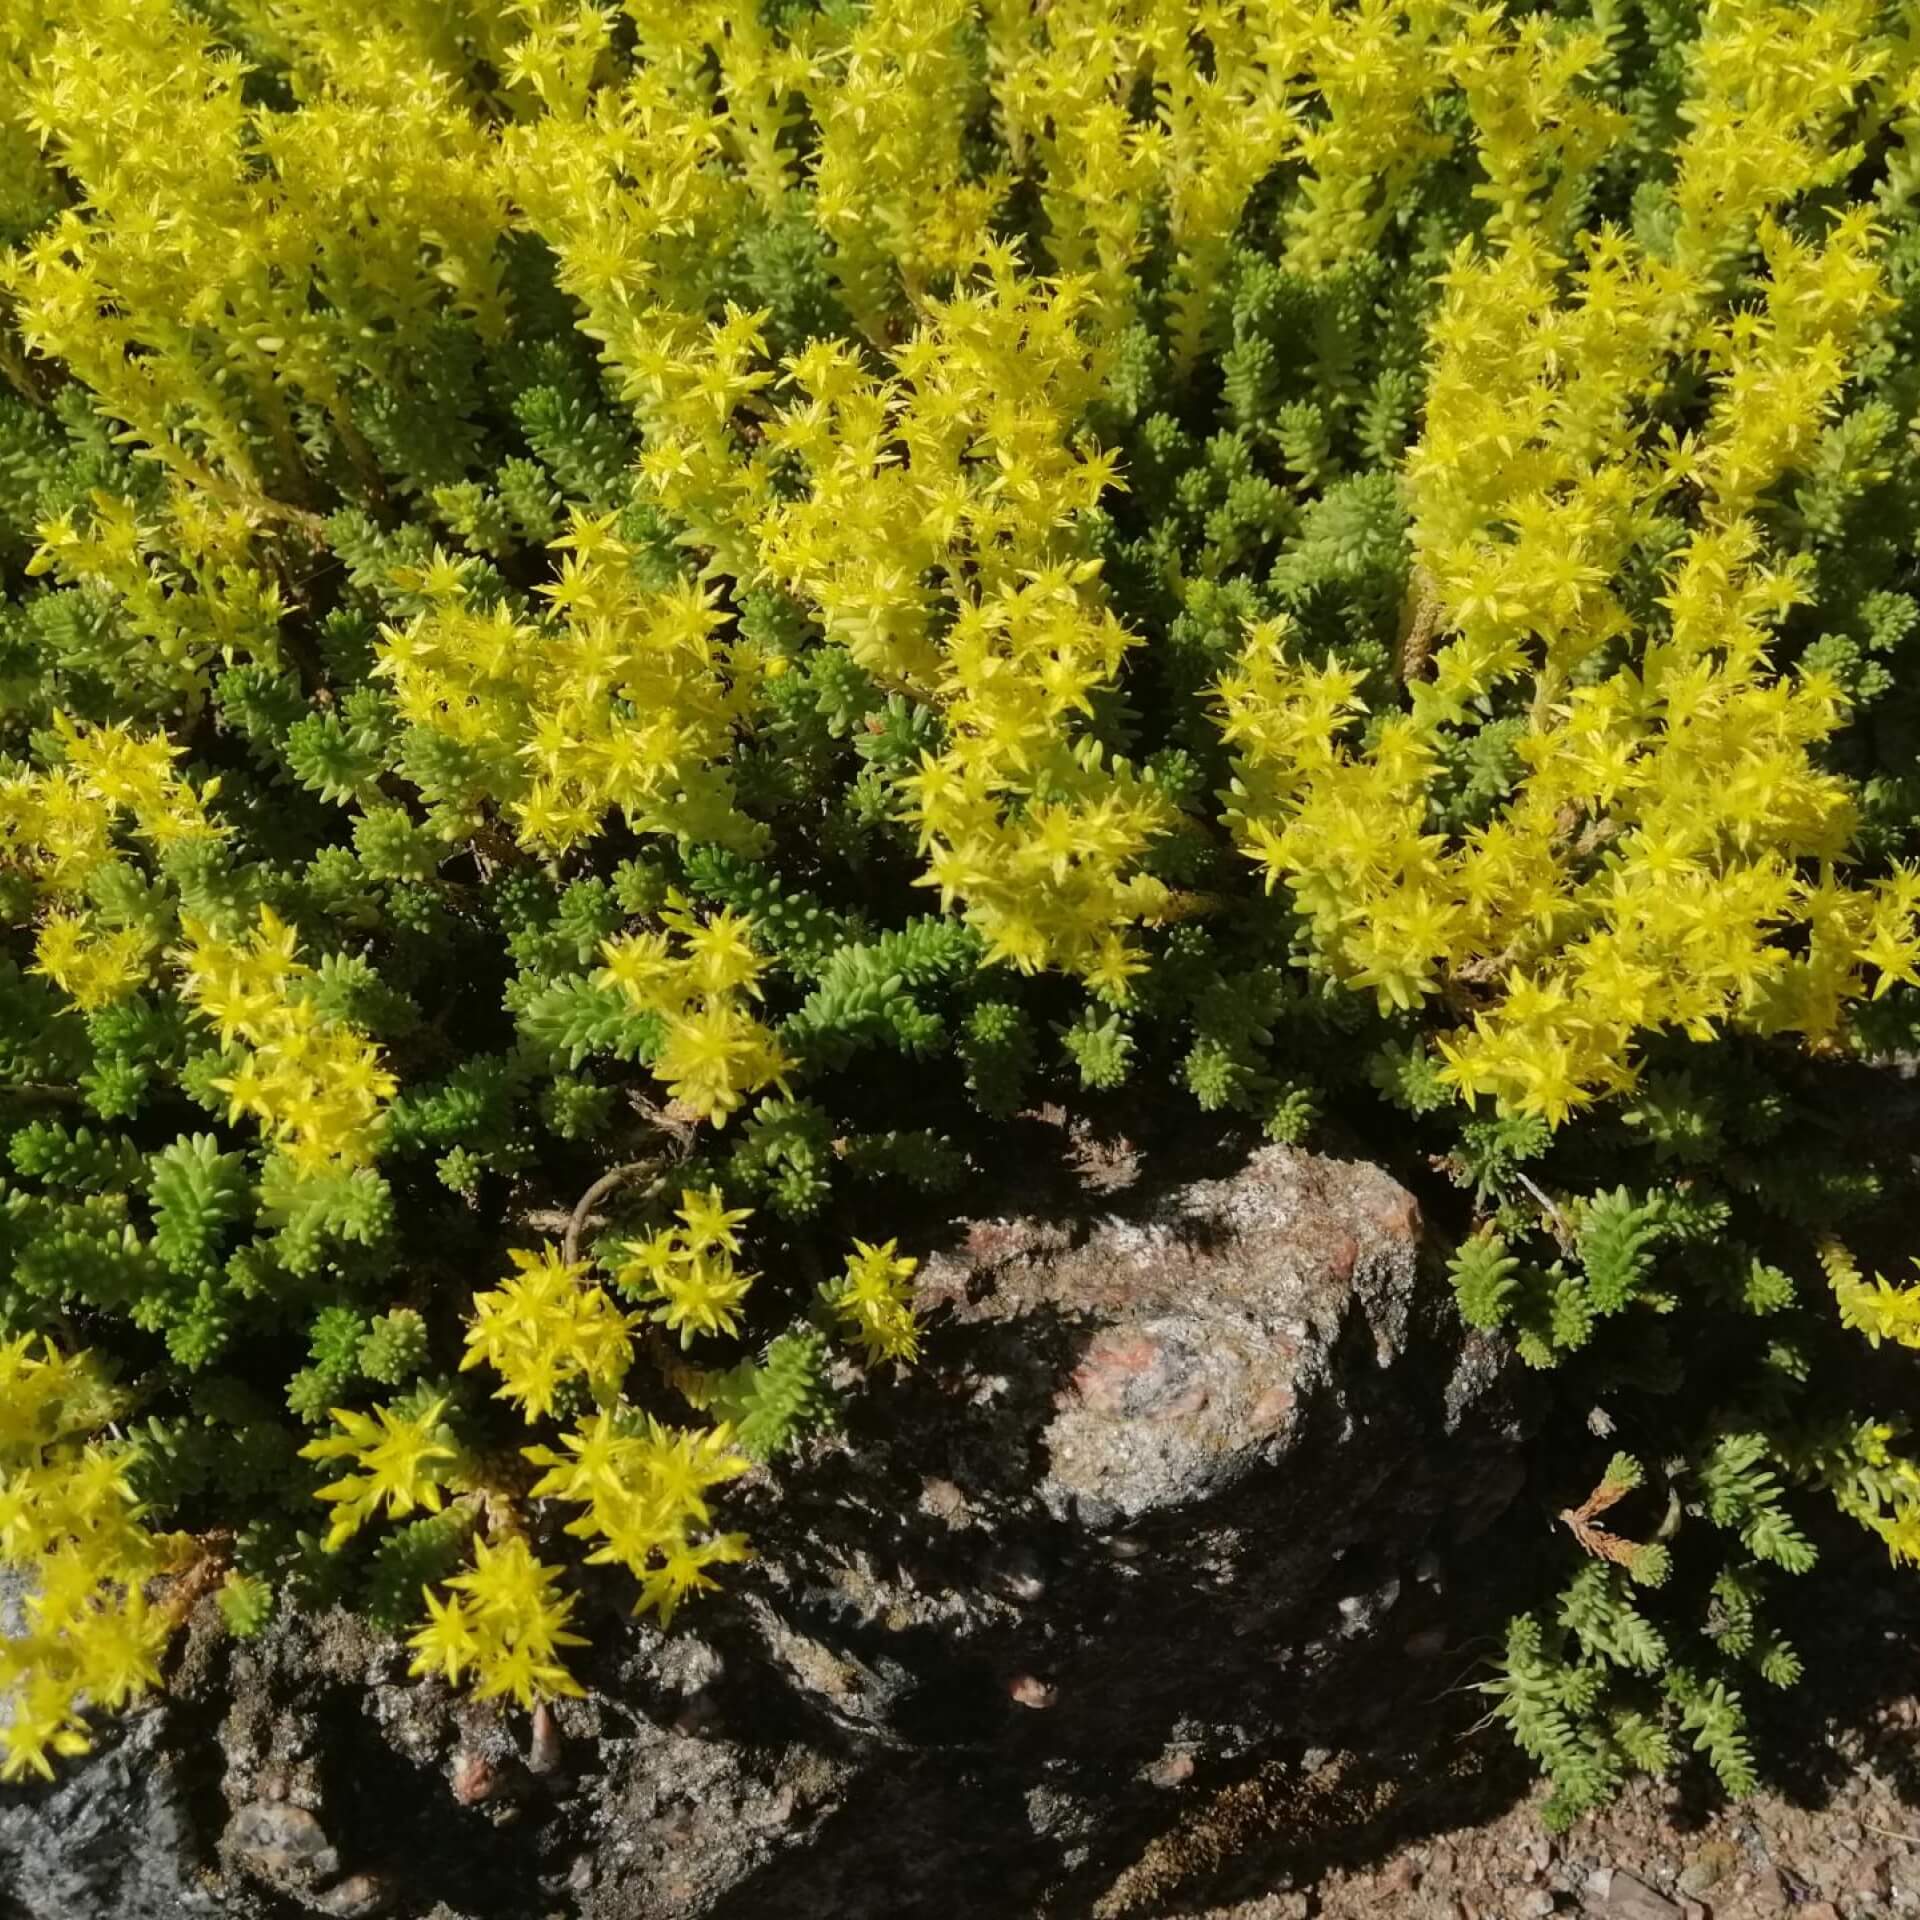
543 1327
502 1627
188 584
958 572
1876 1308
60 823
642 1488
686 1274
403 1461
316 1085
697 978
69 1521
230 271
875 1296
1666 858
622 699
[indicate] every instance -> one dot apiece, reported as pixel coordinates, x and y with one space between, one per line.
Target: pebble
358 1897
1017 1575
475 1777
1869 1876
1358 1611
944 1501
281 1843
1628 1897
1536 1905
1708 1868
1401 1875
1030 1691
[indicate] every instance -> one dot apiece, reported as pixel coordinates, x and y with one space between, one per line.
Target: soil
1645 1858
1454 1832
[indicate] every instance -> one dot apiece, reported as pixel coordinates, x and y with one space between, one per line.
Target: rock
1708 1868
1628 1897
1361 1611
1031 1691
282 1844
1820 1910
1200 1323
1868 1876
113 1836
1401 1875
1196 1424
358 1897
475 1778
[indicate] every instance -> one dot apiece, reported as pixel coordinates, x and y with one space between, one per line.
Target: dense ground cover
690 607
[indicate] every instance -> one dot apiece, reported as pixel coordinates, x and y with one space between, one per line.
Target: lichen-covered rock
1205 1321
1161 1475
1169 1488
113 1837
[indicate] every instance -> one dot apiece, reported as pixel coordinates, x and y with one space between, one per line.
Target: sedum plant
625 628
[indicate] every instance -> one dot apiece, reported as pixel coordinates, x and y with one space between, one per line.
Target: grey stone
110 1838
